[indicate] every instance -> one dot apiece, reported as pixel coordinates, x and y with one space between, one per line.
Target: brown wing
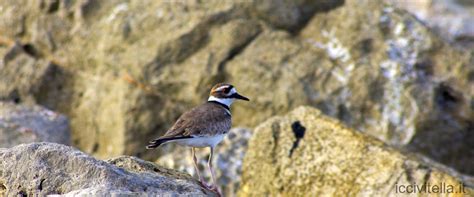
206 119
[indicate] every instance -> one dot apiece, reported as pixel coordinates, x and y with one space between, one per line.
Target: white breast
206 141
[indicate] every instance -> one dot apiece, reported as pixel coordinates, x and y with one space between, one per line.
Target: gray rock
31 123
41 169
452 19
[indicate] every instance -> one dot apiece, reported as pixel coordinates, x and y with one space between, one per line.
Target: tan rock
26 78
381 72
305 152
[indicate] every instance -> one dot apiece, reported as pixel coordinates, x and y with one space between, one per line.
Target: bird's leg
209 164
196 167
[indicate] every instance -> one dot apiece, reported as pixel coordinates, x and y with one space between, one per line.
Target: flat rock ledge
306 153
40 169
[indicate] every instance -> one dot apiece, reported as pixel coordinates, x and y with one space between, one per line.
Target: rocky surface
381 72
25 124
371 65
41 169
228 159
305 152
451 19
25 77
396 80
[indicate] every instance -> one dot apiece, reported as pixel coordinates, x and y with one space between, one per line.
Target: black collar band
221 104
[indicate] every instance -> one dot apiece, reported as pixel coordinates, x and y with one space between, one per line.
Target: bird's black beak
238 96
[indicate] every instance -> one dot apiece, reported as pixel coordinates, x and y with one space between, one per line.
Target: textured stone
41 169
24 77
381 72
305 152
291 14
451 19
21 124
227 159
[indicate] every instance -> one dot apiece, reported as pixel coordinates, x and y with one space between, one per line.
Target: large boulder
21 124
41 169
305 152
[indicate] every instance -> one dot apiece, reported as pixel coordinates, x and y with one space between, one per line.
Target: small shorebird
203 126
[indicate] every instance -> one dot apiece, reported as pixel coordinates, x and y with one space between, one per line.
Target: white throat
225 101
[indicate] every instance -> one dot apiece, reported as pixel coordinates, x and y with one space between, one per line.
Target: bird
203 126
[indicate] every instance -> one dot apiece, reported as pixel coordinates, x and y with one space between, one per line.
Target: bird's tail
157 142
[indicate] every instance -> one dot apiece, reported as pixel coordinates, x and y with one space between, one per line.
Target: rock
305 152
227 160
24 77
40 169
26 124
451 19
381 72
291 15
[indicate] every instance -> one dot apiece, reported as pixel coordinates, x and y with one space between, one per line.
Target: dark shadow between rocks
308 13
447 135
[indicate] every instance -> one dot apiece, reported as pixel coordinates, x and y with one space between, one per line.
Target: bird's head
225 93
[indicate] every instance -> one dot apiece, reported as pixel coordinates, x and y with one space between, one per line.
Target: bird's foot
211 187
205 185
216 189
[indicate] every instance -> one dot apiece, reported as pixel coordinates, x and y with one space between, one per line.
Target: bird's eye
226 90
